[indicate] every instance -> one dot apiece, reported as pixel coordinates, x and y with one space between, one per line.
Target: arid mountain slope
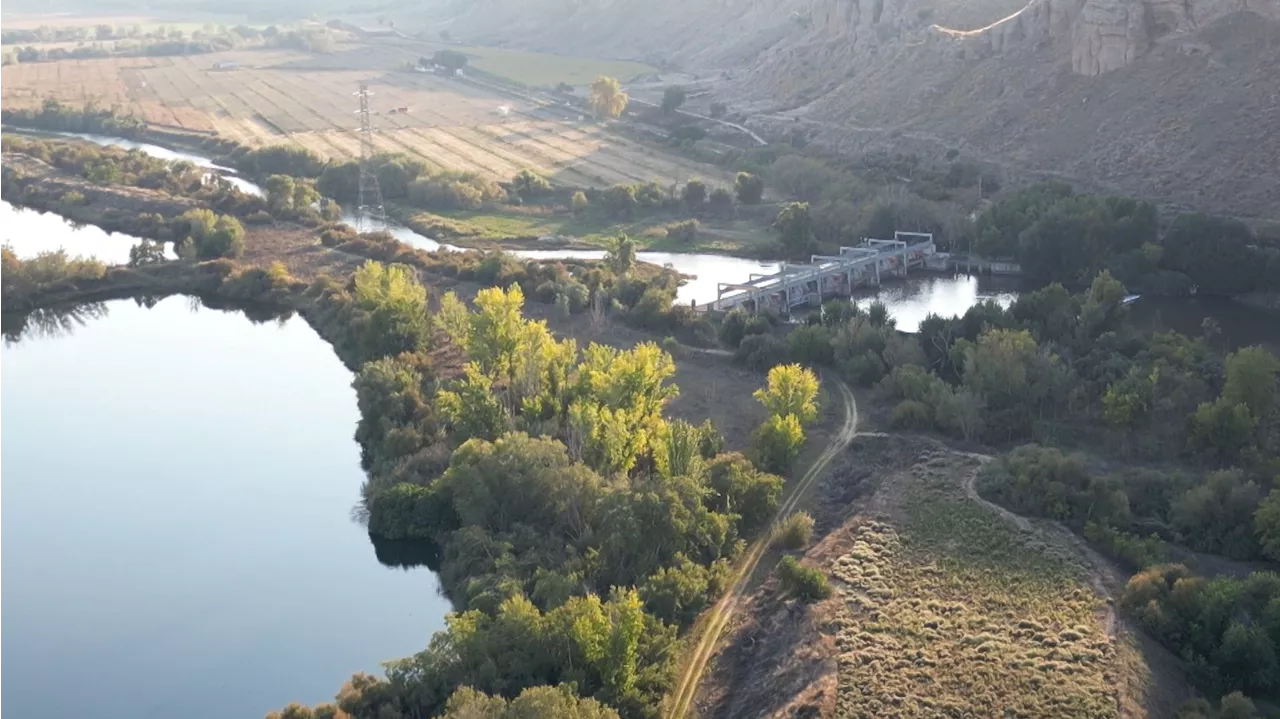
1177 100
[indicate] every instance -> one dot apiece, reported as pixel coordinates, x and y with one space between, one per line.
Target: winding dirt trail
714 622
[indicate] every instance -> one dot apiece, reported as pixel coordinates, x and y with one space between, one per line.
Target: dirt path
714 622
1102 574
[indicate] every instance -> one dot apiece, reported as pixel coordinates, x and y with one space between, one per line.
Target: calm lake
177 521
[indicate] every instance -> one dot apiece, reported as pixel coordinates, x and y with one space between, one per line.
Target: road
714 622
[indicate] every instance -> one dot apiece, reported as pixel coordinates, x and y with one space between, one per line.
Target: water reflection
911 301
49 322
29 232
407 554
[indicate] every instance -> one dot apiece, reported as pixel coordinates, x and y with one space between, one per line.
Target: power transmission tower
370 211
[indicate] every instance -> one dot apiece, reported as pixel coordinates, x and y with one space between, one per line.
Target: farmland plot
276 96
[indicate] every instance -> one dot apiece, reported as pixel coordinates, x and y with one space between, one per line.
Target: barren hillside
1177 101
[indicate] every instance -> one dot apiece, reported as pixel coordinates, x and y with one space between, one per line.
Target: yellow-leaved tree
607 97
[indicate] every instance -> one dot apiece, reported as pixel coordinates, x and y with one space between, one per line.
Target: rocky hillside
1176 100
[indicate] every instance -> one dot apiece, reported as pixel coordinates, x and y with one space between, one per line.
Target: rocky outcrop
1175 100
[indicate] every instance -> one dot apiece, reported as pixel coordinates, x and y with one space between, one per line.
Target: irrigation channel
170 549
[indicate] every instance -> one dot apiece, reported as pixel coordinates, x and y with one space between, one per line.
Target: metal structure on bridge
826 275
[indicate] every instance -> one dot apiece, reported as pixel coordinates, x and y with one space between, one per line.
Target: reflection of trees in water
256 312
406 554
63 321
50 321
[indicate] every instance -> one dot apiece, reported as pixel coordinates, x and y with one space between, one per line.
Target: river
177 529
177 521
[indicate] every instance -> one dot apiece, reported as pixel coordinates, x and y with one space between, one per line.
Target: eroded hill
1176 101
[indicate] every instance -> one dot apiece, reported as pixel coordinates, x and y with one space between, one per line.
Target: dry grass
276 96
948 611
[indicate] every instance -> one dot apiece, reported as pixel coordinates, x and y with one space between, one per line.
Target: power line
370 211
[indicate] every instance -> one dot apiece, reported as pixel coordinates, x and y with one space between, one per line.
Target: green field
735 236
540 69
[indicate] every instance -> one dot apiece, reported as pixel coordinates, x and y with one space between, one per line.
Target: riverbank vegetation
579 530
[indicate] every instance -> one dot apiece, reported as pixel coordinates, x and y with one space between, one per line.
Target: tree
279 191
749 188
778 442
795 226
493 335
541 702
619 200
578 203
394 178
802 178
226 239
470 407
672 98
621 256
607 98
737 487
1251 380
396 304
695 193
721 202
1220 430
790 390
146 253
451 59
1266 524
1217 253
530 185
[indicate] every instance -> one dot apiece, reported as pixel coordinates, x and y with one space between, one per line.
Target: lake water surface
177 522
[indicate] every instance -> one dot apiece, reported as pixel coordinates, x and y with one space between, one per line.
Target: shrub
749 188
686 232
146 253
810 345
804 583
73 198
760 352
778 442
720 202
910 414
1136 553
695 193
733 328
794 532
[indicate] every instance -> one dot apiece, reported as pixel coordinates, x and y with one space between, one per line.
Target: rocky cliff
1178 100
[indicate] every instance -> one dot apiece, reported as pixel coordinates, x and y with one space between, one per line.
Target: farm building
227 65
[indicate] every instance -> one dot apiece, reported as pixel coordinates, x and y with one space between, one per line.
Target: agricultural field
279 96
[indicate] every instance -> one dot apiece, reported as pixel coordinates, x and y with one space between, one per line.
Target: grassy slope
951 612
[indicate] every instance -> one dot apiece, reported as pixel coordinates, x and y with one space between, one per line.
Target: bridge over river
796 285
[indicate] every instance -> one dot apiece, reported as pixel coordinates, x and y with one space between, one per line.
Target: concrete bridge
826 275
